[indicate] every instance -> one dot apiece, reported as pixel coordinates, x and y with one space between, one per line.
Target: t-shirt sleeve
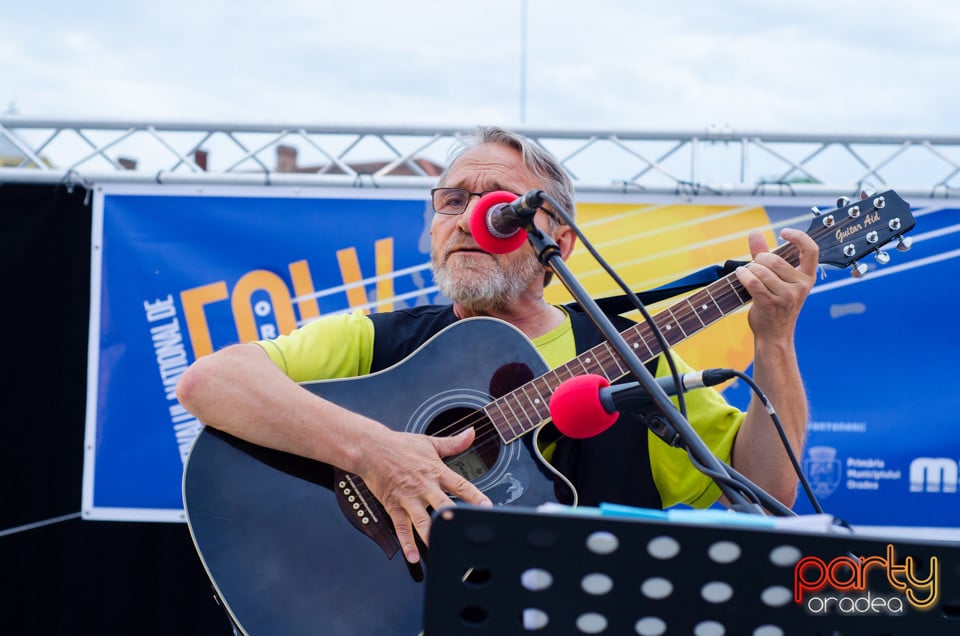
717 422
339 346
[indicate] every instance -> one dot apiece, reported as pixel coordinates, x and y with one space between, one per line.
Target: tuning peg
843 202
866 194
881 257
816 211
904 243
859 270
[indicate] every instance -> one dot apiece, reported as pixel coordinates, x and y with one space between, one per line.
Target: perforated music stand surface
532 572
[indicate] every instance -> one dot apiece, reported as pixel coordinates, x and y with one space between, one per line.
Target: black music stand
519 571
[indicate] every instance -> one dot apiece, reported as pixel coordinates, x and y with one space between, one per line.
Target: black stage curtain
73 577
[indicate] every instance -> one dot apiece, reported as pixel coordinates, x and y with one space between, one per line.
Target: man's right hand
406 473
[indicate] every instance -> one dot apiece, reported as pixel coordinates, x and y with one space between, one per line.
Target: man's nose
463 220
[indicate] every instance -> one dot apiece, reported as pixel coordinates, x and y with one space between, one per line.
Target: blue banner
177 276
179 273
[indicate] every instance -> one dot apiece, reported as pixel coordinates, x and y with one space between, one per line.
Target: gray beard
485 292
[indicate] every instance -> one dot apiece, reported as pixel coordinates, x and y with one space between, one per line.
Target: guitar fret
526 405
607 361
516 416
677 323
688 321
672 336
504 420
583 366
559 374
589 363
539 403
642 340
706 308
693 310
691 318
737 288
611 362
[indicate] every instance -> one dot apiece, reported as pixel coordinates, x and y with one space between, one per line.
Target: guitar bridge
364 512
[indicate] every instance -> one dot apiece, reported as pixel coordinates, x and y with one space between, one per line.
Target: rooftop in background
711 162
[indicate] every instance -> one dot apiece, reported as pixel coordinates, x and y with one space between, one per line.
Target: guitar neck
527 407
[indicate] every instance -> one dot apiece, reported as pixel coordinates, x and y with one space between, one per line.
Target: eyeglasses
453 201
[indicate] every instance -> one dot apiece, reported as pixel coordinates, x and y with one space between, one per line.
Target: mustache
460 242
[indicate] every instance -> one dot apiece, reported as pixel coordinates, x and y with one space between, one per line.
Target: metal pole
523 62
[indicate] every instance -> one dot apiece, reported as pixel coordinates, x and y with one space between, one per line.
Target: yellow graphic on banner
649 245
281 304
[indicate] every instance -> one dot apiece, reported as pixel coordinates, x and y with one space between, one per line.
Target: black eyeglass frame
433 193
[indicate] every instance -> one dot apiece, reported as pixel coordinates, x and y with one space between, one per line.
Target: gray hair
556 182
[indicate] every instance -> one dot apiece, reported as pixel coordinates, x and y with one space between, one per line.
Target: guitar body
278 534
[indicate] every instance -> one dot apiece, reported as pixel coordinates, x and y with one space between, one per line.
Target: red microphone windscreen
576 409
481 232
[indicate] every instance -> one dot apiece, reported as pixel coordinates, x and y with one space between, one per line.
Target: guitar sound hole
481 456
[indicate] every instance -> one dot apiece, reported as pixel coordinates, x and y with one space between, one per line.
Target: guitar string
487 433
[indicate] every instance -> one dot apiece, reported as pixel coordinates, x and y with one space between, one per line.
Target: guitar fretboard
517 413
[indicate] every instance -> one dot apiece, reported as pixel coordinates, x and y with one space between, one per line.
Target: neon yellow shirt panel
306 353
717 423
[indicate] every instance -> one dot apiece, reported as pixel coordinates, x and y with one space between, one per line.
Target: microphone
499 218
587 405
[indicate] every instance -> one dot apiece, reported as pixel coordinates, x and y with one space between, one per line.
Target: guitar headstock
858 228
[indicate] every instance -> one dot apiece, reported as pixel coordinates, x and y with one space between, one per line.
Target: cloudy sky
818 65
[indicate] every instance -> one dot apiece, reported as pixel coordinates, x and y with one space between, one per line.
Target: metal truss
712 162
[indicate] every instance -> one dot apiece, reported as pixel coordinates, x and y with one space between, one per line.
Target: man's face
473 278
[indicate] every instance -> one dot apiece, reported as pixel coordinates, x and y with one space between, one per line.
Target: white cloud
818 65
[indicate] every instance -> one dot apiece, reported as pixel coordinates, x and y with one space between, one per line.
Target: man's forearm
758 451
242 392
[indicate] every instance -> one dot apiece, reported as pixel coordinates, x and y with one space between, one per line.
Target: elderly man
251 390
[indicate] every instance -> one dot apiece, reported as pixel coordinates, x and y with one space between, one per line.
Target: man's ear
566 238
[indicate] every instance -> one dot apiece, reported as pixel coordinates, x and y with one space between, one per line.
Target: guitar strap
612 305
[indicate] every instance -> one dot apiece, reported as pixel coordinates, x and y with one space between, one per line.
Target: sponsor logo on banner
866 473
823 470
934 474
826 472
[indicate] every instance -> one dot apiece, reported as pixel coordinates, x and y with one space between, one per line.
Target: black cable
783 438
731 479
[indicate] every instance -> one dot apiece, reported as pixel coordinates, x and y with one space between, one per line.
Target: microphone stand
548 253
